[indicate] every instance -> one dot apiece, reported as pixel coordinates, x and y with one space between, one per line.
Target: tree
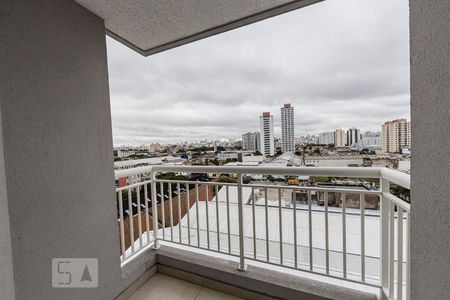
228 160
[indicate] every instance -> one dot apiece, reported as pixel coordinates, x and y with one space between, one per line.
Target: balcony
346 236
57 179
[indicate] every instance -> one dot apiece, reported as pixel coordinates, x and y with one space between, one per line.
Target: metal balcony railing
330 231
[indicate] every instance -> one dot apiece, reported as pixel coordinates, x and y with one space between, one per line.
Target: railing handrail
133 171
391 175
396 200
396 177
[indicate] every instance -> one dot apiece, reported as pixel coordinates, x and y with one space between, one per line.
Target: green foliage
401 192
227 179
375 181
320 179
367 151
228 160
324 179
171 176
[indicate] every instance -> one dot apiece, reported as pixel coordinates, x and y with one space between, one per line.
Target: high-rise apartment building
251 141
258 142
353 136
287 128
340 138
326 138
267 137
396 135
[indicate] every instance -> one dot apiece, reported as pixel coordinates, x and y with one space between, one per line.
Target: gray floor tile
164 287
209 294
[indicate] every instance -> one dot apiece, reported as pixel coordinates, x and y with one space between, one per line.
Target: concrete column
57 148
430 112
6 266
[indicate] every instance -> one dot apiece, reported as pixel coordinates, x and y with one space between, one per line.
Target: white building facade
267 136
287 128
370 139
228 155
326 138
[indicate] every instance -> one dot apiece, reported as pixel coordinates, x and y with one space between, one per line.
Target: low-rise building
224 155
370 139
123 153
326 161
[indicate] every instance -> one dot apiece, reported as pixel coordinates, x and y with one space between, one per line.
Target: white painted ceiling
151 26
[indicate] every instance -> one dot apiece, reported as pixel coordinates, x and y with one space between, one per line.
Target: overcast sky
341 63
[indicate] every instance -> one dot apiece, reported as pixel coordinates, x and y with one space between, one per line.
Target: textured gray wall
430 113
6 267
174 22
56 119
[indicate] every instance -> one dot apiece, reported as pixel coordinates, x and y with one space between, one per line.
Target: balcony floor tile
161 286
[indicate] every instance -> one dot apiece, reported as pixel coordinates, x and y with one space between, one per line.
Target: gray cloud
340 63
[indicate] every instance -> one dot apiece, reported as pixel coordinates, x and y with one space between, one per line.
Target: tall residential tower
267 137
396 135
287 129
340 138
353 136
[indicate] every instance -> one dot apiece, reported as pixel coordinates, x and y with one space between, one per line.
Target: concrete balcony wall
57 146
430 111
6 267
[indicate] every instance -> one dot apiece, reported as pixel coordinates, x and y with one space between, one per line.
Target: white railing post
384 227
242 266
154 212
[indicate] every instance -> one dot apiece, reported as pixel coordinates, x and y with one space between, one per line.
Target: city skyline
244 131
218 87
